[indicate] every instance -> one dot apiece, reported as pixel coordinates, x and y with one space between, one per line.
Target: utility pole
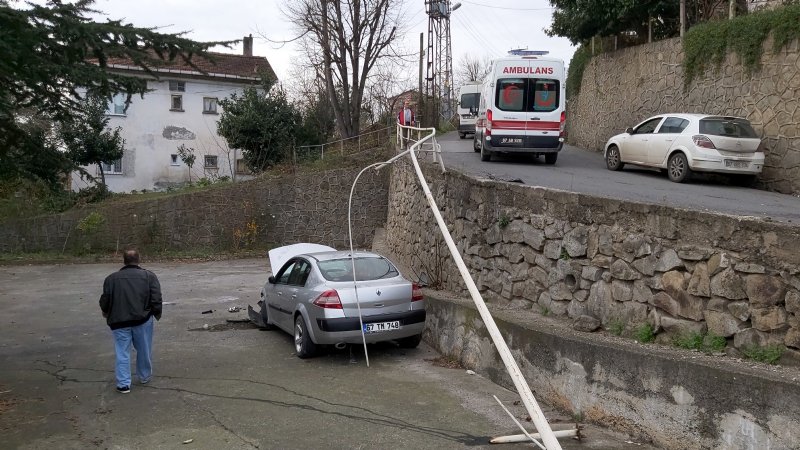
439 77
683 17
421 95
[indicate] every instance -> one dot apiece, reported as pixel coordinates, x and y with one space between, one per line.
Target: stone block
622 271
591 273
605 241
723 323
718 304
654 283
512 233
560 291
664 302
668 260
512 253
622 291
586 323
750 268
673 281
764 290
552 249
750 337
602 261
740 310
538 275
543 262
581 295
646 265
575 242
694 253
679 327
700 283
769 319
576 309
793 301
534 237
718 262
728 284
642 293
493 234
792 338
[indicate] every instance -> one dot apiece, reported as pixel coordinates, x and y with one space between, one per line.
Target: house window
241 167
116 107
173 158
211 161
113 167
177 103
209 105
179 86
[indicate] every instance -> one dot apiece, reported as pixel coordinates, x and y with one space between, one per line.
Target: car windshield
367 268
728 127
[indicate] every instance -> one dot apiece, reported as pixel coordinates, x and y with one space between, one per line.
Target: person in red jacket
406 117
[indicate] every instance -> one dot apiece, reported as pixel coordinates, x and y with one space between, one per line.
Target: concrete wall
675 400
153 132
622 88
269 211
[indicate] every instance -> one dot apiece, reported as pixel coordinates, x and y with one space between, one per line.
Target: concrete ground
230 386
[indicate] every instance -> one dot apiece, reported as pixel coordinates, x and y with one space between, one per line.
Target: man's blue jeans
142 338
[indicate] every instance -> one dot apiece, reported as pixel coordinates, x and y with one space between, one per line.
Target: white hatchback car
682 143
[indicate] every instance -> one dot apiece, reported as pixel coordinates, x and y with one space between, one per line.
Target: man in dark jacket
131 298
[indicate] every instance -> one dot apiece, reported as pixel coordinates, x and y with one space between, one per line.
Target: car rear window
728 127
369 268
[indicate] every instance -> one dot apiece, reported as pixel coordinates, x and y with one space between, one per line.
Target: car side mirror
629 130
271 279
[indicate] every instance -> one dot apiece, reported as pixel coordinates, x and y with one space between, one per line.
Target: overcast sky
477 28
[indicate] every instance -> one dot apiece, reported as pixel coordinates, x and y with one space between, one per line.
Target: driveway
229 386
583 171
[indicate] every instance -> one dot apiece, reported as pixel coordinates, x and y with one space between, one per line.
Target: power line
508 7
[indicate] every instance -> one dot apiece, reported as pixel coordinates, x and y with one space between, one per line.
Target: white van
468 99
522 106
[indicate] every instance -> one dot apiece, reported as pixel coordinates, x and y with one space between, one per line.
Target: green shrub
616 327
707 343
707 44
92 223
645 334
689 341
769 354
580 59
503 221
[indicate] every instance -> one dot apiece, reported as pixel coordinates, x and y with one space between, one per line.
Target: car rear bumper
466 128
348 329
528 144
754 165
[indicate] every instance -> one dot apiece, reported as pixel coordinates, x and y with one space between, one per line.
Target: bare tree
471 68
344 41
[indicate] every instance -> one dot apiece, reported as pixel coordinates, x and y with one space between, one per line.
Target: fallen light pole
537 417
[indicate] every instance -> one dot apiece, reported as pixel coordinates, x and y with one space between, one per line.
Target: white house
182 108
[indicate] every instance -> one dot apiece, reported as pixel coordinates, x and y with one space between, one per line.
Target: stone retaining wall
606 263
620 89
270 211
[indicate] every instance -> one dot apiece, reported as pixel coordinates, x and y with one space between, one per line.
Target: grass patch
769 354
616 327
645 334
707 44
580 59
707 343
503 221
545 311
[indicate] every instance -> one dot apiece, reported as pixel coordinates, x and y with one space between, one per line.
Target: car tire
550 158
613 159
475 145
410 342
486 155
303 345
678 169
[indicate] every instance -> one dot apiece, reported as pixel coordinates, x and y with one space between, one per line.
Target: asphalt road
583 171
229 387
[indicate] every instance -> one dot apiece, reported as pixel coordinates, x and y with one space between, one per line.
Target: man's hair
131 257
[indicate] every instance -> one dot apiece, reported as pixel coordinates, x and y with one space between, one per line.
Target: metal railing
354 144
423 139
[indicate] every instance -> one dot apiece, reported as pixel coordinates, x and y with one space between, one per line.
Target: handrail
435 149
341 141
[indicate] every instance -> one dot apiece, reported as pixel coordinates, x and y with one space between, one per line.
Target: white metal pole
514 372
514 438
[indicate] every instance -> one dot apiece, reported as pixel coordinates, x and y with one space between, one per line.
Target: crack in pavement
219 422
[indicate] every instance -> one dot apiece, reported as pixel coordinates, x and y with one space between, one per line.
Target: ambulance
522 107
468 98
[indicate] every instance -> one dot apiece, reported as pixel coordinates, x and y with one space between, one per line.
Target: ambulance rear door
509 115
544 104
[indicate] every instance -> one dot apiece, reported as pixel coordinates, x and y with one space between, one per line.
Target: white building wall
153 132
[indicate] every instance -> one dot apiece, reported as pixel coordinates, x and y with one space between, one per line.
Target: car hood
278 256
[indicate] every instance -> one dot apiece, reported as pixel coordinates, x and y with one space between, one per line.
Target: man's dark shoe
124 389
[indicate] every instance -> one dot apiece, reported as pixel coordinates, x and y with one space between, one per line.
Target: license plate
381 326
511 140
737 164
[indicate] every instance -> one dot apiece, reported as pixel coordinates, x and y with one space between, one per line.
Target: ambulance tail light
562 128
488 131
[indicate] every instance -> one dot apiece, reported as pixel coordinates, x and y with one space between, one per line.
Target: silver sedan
312 296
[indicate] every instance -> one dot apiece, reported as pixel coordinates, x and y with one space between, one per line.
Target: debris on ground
234 309
188 441
445 361
209 311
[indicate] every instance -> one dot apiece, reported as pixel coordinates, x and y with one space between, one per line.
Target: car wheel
613 158
410 342
678 168
303 345
486 155
475 145
265 316
550 158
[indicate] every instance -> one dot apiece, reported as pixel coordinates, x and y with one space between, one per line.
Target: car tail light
416 293
562 128
488 131
703 141
329 299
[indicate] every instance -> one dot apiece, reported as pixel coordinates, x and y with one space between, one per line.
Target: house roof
220 65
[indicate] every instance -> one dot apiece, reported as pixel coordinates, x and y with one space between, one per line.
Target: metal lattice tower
439 75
